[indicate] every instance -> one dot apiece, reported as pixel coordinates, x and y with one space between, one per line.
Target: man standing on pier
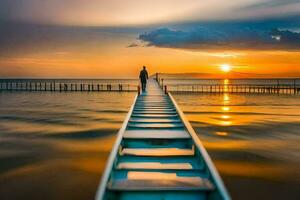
143 78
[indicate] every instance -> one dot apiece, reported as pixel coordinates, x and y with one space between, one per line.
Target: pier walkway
157 155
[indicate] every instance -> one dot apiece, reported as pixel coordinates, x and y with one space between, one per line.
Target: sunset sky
114 38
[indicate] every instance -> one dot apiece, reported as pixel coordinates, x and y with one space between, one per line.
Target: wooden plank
161 183
157 152
154 165
154 134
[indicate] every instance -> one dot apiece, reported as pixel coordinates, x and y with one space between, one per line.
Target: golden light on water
225 85
226 98
225 108
221 133
225 117
225 123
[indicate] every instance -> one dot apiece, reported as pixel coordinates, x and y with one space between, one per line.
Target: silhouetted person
143 78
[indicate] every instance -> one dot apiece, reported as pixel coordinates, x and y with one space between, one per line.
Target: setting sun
225 67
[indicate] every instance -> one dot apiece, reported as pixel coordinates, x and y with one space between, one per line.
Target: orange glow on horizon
113 60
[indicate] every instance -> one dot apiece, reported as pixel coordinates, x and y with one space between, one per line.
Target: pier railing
78 86
66 86
234 88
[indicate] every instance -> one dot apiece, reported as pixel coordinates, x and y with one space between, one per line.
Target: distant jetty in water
235 88
254 86
72 85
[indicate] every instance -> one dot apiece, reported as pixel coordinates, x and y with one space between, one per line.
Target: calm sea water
252 139
55 145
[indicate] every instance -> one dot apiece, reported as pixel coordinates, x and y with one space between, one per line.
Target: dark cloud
22 38
238 36
132 45
271 3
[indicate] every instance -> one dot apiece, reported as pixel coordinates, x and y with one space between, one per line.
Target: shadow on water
79 135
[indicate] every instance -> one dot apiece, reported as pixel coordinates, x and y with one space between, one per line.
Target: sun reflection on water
225 108
226 98
225 123
225 117
225 85
221 133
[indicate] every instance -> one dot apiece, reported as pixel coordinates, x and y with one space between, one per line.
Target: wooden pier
65 86
234 88
157 155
